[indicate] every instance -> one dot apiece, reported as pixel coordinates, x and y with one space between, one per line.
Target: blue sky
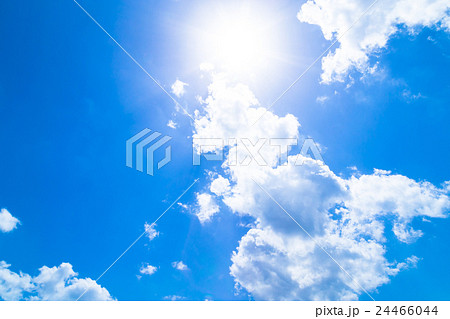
70 98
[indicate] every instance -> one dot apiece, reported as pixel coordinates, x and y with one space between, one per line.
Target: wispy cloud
174 298
322 99
152 233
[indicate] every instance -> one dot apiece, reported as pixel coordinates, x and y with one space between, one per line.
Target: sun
236 38
237 41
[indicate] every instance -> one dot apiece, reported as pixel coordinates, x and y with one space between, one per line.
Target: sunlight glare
236 40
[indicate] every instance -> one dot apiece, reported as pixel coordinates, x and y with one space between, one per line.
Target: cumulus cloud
220 186
372 32
229 110
272 266
148 270
13 285
180 265
383 194
178 88
207 207
345 216
277 260
55 283
7 221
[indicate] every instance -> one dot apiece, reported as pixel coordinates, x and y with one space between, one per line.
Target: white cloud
151 231
13 285
397 194
372 32
227 113
276 259
172 124
229 110
406 234
207 207
410 97
273 266
148 269
411 262
322 99
180 265
7 221
178 88
174 298
55 283
220 186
